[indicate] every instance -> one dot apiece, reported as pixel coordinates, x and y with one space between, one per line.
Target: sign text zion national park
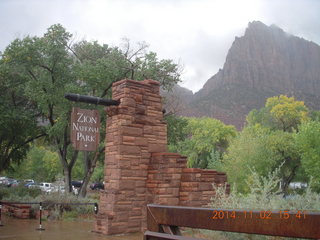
85 126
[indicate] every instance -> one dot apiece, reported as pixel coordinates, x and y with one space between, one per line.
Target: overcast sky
196 33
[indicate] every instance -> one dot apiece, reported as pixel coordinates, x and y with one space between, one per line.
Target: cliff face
264 62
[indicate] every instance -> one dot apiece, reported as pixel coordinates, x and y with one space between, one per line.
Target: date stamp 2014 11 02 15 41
264 215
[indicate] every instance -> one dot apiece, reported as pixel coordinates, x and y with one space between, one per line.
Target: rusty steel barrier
163 222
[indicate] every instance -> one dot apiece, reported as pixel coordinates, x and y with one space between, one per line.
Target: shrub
19 193
68 209
264 194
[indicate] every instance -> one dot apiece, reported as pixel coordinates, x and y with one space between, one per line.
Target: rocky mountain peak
264 62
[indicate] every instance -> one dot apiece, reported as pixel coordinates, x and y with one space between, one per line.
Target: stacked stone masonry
138 170
17 210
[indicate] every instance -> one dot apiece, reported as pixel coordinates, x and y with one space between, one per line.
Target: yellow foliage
287 111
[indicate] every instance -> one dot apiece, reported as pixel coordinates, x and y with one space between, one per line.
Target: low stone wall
171 183
17 210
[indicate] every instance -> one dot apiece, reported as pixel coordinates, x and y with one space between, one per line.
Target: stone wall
138 170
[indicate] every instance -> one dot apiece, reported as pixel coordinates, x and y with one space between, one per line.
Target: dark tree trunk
67 166
91 163
67 179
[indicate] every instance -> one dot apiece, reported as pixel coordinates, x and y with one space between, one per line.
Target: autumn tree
280 112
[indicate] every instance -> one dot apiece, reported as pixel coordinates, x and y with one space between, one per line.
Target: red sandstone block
121 217
131 131
136 125
112 149
146 155
121 208
124 164
138 98
205 186
128 194
191 170
140 183
152 185
159 128
157 148
109 138
186 177
140 141
147 130
150 82
126 185
127 101
128 139
118 224
164 185
176 176
133 213
168 201
134 229
141 119
140 190
127 149
134 224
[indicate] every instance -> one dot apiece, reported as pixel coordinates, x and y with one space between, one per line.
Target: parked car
12 183
57 189
97 185
3 181
29 181
76 184
46 187
32 185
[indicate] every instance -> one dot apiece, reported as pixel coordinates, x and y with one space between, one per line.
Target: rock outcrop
265 62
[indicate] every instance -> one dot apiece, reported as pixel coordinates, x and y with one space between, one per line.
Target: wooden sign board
85 129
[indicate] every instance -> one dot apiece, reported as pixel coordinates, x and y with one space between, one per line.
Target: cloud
198 33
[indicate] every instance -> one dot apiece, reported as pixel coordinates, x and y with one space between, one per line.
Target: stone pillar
138 170
135 129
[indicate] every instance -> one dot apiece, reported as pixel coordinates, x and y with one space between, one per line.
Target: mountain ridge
264 62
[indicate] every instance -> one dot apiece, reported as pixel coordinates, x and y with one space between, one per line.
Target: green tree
308 142
204 135
98 66
46 66
41 164
262 150
315 116
52 65
18 118
244 152
176 130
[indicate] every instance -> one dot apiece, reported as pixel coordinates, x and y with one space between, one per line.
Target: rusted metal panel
85 129
274 223
152 224
173 230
